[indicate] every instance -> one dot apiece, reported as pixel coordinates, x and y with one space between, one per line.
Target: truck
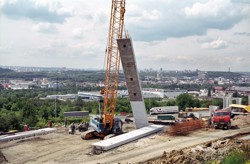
238 109
164 110
221 119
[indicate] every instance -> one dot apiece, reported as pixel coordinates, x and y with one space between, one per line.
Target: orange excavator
105 123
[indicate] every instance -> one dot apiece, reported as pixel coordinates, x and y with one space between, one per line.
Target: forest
21 107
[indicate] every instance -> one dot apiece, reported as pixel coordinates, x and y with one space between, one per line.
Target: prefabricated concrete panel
127 56
27 134
126 138
130 69
138 108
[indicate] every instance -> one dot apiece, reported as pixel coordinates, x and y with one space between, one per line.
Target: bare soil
61 147
204 153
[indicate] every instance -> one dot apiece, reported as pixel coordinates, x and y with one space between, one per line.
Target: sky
209 35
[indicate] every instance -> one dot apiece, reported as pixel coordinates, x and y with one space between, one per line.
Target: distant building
20 84
89 96
218 88
173 93
61 97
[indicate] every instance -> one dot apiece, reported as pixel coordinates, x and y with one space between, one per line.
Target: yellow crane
113 61
106 123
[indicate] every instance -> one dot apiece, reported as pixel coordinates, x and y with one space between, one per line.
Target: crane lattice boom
113 61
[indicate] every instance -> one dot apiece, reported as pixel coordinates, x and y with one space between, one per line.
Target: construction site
196 146
165 135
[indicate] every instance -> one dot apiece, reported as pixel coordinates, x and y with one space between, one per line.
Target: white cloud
36 10
242 33
45 28
212 8
167 34
151 15
161 20
216 44
78 33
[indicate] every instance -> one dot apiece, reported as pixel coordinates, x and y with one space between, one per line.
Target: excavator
105 123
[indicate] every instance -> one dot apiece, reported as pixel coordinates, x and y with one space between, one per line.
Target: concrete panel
130 69
127 56
248 99
126 138
27 134
139 114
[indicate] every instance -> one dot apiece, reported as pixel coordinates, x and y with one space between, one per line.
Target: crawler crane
105 123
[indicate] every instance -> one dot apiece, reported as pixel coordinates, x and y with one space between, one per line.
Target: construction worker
72 128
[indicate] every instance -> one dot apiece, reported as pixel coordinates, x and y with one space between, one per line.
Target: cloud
45 28
151 15
182 18
78 33
36 10
216 44
5 49
242 33
212 8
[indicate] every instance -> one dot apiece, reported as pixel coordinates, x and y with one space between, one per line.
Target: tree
29 114
209 92
217 102
79 102
205 103
184 101
1 87
245 100
171 103
197 103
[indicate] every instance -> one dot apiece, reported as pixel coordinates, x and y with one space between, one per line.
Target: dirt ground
206 152
61 147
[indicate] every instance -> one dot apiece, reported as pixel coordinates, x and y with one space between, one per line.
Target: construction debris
184 128
241 120
214 152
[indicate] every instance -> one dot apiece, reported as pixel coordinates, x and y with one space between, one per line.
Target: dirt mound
211 151
241 120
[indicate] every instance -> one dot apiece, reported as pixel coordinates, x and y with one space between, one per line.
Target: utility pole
55 105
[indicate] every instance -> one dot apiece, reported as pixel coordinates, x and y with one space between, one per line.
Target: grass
237 157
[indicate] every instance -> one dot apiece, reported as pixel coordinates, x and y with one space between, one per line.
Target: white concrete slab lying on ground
27 134
126 138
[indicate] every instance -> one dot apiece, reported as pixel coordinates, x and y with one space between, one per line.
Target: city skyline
209 35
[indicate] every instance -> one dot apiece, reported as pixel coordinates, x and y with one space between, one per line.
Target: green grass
236 157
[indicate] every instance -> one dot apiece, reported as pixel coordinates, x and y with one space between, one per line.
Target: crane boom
116 28
106 123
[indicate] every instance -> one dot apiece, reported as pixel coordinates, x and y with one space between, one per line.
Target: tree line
21 107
